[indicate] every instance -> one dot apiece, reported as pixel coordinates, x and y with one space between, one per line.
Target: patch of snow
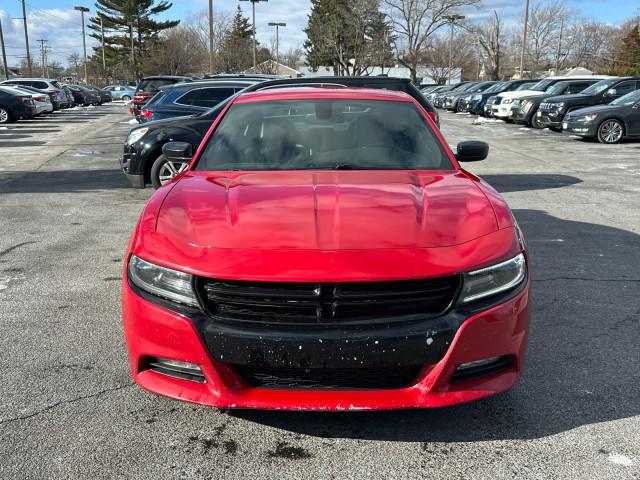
619 459
133 121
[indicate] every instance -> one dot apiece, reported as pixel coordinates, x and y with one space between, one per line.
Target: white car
42 100
502 107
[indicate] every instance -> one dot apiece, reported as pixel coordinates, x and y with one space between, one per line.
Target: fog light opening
173 368
478 368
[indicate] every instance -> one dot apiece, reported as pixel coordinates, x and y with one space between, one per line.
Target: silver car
41 99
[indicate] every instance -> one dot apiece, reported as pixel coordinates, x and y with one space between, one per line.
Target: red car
325 251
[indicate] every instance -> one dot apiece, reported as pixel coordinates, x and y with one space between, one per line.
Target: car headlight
163 282
136 134
526 105
587 118
507 101
494 279
476 98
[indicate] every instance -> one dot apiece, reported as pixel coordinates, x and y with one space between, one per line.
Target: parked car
103 95
41 99
70 102
608 123
15 106
452 99
143 162
325 250
477 101
84 96
52 87
189 98
552 111
121 92
524 110
438 99
501 108
149 86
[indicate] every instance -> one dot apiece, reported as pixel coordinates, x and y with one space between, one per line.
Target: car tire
535 122
5 115
162 170
610 131
125 98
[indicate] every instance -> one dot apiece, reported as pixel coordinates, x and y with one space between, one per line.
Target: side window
577 87
210 97
187 98
625 87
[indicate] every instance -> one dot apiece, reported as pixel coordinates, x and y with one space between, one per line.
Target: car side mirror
472 151
611 92
177 151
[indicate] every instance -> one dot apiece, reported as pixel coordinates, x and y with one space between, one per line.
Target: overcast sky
60 26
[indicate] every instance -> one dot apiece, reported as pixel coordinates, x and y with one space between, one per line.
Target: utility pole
4 55
524 37
42 55
277 25
452 20
253 5
559 46
104 62
84 40
26 37
210 36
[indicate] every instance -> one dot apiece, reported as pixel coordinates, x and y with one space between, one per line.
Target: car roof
211 83
302 93
167 77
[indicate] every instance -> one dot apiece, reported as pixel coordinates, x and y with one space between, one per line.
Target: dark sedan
477 101
608 123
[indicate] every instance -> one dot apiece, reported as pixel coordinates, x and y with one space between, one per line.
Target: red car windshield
323 134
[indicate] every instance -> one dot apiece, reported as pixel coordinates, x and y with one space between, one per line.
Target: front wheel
610 131
535 121
163 170
5 116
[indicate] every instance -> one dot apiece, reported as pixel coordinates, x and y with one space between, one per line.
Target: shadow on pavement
505 183
583 363
61 181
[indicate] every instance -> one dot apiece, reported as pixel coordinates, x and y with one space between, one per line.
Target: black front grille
323 379
271 302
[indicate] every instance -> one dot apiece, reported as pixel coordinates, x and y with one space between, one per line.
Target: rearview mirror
472 151
177 151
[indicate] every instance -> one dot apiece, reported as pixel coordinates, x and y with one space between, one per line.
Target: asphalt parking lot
68 408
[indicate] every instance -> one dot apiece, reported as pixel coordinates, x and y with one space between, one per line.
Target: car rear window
154 84
323 134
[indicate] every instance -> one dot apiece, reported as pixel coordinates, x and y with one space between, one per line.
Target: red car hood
324 210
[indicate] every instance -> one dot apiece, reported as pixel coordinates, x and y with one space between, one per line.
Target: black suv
553 110
525 111
143 162
149 86
191 98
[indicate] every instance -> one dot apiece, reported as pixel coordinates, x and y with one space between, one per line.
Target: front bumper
131 167
502 110
550 118
440 345
583 129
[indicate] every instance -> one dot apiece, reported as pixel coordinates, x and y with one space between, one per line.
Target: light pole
559 46
210 36
452 20
524 38
253 5
4 55
277 25
84 40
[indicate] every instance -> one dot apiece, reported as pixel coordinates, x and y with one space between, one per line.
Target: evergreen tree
237 47
125 21
349 35
629 56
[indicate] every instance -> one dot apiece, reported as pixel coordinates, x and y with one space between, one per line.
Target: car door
633 119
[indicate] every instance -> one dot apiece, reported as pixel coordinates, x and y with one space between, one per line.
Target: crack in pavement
63 402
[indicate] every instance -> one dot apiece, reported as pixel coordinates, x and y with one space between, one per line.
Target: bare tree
178 52
415 21
436 57
491 40
544 29
199 22
292 57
